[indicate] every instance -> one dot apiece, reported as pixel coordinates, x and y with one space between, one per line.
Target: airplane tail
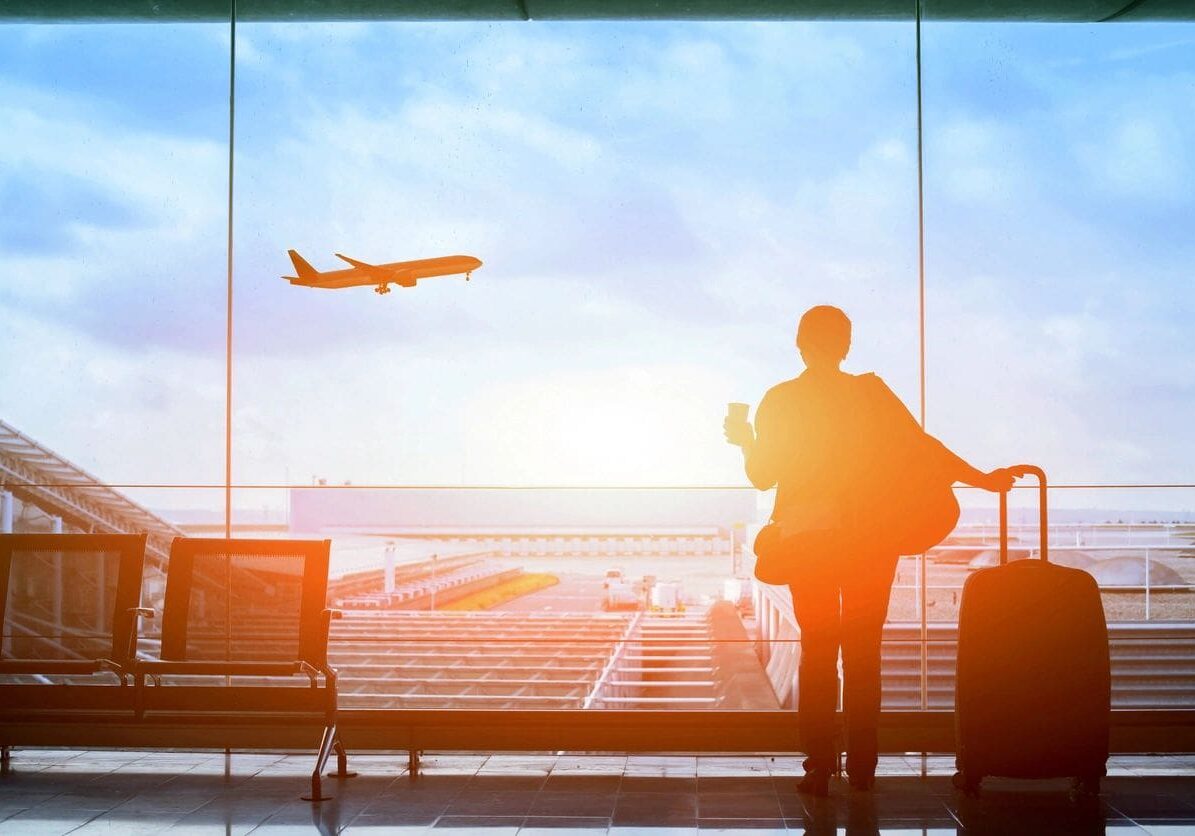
305 270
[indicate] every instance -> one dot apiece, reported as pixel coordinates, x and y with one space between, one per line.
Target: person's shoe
816 782
863 783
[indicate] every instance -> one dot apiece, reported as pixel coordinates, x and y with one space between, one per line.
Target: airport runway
574 593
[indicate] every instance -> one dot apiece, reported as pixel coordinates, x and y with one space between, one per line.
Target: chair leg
342 761
412 764
321 760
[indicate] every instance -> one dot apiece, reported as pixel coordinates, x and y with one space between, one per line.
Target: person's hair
826 331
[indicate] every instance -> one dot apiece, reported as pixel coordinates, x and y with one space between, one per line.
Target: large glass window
1058 185
655 205
113 183
524 477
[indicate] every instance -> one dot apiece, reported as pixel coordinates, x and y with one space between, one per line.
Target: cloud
115 231
1144 157
48 212
655 206
150 416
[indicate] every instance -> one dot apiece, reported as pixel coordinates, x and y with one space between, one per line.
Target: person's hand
998 481
739 433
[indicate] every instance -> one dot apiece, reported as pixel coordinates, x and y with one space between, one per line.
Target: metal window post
388 570
1147 584
6 505
59 582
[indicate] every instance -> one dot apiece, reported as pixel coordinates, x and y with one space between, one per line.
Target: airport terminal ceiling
1075 11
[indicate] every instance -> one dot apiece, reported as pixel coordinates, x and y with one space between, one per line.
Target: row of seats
77 647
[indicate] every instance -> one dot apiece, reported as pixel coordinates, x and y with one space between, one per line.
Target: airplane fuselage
401 273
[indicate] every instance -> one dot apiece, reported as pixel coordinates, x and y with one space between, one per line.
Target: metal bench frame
65 704
231 706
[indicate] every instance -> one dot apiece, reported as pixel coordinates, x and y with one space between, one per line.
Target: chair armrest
130 640
329 615
122 670
311 671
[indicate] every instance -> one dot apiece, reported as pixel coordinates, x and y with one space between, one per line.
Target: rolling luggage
1033 685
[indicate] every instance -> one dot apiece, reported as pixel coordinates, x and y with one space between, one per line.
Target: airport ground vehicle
666 597
620 596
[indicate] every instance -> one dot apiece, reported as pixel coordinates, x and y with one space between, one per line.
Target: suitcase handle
1019 471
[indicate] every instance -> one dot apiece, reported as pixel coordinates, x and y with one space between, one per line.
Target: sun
622 426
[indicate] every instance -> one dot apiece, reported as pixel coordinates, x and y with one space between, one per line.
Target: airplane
401 273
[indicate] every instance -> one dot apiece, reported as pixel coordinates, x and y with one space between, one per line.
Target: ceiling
78 11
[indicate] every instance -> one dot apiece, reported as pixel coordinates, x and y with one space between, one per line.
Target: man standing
817 440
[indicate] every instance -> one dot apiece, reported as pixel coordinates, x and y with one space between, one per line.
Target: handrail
612 663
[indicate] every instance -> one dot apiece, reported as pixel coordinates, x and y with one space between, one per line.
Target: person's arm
956 466
758 445
763 459
996 481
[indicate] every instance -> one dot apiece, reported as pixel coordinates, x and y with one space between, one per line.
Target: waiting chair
236 614
69 607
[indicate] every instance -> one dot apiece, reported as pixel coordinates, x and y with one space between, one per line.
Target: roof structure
38 476
1085 11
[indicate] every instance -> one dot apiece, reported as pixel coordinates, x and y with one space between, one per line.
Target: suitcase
1033 687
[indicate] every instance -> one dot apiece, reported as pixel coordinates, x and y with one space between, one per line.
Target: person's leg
816 606
865 595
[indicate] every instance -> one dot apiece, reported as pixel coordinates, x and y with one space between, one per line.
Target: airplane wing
364 265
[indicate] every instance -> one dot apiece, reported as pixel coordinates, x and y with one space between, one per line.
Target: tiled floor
56 791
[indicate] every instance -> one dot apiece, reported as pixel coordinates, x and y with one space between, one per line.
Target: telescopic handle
1019 471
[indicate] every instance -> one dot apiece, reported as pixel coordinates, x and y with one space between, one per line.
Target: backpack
901 497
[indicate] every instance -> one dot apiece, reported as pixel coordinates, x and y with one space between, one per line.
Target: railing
1153 663
918 644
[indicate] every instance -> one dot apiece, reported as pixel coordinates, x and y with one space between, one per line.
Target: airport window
1056 191
524 477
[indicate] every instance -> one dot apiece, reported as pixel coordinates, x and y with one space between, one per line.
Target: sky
655 204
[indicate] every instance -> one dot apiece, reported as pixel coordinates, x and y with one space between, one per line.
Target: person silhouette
813 442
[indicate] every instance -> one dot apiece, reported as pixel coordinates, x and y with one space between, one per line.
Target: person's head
824 337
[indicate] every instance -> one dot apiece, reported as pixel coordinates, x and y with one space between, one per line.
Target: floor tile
492 803
54 792
738 805
490 825
757 827
573 804
572 782
657 783
555 825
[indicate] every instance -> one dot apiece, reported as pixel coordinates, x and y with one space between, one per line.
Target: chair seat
163 668
51 667
237 700
84 700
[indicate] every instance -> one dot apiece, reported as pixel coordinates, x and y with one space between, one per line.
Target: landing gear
382 289
468 275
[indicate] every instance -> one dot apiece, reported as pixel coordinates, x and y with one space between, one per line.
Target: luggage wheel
966 784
